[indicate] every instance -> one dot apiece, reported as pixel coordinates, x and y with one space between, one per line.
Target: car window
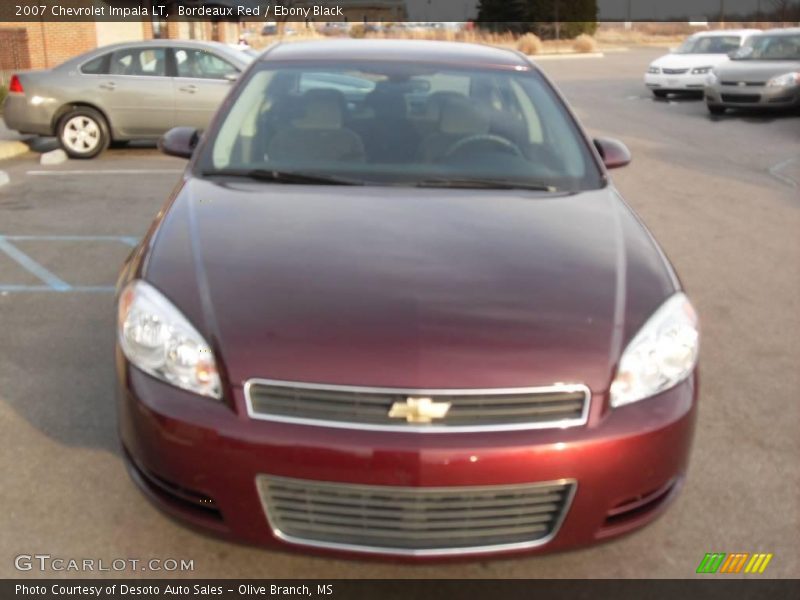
710 44
96 66
142 62
529 113
403 125
447 82
200 64
350 84
771 47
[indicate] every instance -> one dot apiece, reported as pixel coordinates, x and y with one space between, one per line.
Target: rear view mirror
613 152
179 141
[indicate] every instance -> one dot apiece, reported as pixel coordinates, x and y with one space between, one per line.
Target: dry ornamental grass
527 43
584 43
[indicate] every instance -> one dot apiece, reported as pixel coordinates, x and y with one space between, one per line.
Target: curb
10 149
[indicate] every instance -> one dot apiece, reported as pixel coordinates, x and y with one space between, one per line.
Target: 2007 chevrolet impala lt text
395 306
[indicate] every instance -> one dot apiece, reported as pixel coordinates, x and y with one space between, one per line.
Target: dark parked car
123 92
764 73
396 306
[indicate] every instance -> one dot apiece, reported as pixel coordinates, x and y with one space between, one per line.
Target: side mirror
179 141
613 152
231 77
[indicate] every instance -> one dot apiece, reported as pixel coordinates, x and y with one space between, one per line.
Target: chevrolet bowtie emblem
419 410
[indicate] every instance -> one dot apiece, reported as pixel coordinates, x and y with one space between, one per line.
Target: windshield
710 44
401 124
771 47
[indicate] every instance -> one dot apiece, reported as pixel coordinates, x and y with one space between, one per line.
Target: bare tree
780 8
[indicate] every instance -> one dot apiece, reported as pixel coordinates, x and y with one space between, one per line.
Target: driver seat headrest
460 117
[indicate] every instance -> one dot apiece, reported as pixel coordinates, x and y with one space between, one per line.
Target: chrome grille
674 71
414 520
561 405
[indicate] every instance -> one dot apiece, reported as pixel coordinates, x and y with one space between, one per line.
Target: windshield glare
399 124
771 47
710 44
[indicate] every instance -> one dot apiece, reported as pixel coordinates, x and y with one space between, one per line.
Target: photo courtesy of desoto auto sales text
400 299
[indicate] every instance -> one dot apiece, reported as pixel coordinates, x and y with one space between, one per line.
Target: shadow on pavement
46 144
758 115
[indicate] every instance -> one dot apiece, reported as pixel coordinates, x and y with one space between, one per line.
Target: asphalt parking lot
722 196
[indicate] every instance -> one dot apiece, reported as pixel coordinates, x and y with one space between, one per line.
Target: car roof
234 55
783 31
161 43
411 51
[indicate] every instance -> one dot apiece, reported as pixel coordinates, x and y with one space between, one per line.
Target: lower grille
674 71
185 500
745 83
743 98
414 520
394 409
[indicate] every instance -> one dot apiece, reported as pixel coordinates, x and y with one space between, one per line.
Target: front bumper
749 96
199 460
685 82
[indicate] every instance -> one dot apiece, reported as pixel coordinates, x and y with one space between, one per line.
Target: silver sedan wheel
81 134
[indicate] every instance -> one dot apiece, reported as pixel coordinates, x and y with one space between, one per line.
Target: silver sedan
123 92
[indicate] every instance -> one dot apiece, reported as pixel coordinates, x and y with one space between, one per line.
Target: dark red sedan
395 306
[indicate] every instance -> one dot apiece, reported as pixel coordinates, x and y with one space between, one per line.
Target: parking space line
33 267
54 283
107 172
775 171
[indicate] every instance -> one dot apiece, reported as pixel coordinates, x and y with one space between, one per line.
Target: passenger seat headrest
322 109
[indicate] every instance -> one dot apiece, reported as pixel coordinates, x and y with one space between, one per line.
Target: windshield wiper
489 184
282 176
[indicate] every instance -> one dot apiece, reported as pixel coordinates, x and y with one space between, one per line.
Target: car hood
688 61
414 288
755 70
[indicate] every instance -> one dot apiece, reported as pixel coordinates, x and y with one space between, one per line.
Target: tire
715 109
660 93
83 132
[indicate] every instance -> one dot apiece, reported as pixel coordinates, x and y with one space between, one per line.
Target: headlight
785 80
654 70
662 354
158 339
711 78
701 70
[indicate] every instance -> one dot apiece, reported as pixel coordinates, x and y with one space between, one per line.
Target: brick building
44 44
